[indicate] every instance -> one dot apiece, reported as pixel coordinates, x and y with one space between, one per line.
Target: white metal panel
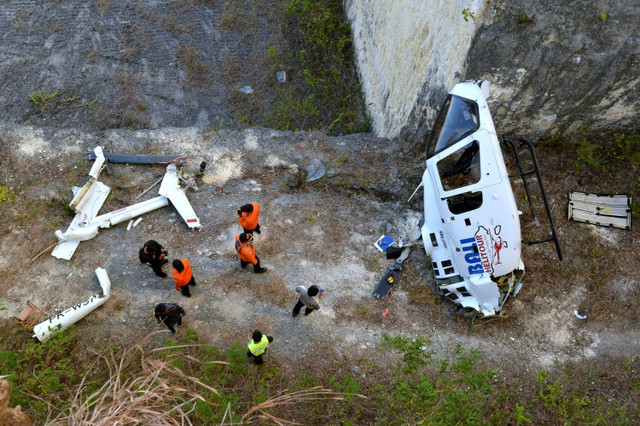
603 210
170 188
59 322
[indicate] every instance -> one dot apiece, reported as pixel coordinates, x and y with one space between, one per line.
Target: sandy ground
321 232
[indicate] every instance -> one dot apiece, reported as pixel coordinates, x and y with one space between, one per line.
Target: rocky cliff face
554 67
408 53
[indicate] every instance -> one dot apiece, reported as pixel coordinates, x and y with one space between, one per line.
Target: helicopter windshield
457 118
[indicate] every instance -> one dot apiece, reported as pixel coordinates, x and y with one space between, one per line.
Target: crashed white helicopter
471 227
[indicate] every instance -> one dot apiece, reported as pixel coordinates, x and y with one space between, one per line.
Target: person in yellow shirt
258 345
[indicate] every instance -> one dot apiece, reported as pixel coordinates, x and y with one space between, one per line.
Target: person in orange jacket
247 252
248 218
183 275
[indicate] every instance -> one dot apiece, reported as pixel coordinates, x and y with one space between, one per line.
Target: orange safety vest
247 251
249 221
183 278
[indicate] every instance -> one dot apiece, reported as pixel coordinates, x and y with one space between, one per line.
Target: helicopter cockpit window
461 168
458 117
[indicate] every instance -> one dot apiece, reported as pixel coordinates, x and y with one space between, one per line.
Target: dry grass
259 411
148 391
146 386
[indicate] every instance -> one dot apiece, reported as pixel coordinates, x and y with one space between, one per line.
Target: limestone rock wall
553 66
408 51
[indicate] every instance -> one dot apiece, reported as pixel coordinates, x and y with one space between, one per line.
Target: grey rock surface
124 64
554 68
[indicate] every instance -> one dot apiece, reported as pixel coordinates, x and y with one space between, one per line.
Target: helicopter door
468 166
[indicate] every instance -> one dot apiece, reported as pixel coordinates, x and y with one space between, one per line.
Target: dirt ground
319 232
134 61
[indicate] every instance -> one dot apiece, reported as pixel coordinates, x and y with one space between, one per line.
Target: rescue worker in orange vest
183 275
258 345
247 252
248 218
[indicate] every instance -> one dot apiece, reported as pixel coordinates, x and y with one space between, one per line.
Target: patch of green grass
320 39
468 15
6 195
587 154
42 97
272 52
289 112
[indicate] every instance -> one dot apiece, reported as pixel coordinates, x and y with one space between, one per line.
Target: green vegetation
611 150
460 391
42 97
325 58
603 17
68 378
322 90
62 102
468 15
272 52
523 18
5 194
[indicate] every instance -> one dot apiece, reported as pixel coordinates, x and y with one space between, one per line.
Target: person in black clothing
169 313
153 254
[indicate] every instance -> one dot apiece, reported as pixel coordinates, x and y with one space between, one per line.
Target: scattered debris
281 76
253 185
575 312
203 165
315 170
383 243
246 90
29 316
394 252
295 177
57 323
43 252
600 209
137 222
129 225
148 189
88 200
138 159
188 180
386 311
390 279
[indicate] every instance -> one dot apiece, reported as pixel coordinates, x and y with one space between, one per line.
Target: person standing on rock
170 314
247 252
248 218
258 345
183 275
153 255
307 299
